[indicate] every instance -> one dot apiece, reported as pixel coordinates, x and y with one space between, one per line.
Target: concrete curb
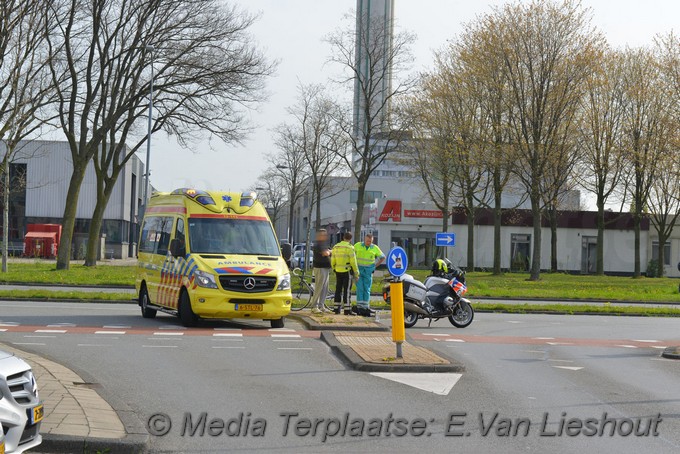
608 314
68 300
671 353
46 284
351 359
53 443
312 325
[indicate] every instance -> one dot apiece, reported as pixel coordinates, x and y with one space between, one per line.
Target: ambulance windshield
232 236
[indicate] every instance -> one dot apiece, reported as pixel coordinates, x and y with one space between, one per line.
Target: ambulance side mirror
177 248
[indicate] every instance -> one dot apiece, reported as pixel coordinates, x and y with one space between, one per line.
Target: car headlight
285 282
204 279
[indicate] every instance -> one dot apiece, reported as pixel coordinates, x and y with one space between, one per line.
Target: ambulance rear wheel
278 323
186 314
147 312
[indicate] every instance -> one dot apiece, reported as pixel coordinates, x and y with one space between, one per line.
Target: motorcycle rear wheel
410 319
462 315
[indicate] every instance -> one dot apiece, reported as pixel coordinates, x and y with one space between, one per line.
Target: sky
292 33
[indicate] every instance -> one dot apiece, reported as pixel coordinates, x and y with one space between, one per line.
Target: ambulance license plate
36 414
248 307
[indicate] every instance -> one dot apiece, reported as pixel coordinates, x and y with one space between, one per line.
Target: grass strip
68 295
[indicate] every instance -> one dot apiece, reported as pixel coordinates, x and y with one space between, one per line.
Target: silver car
20 408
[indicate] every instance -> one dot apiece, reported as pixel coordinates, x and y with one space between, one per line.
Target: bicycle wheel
302 292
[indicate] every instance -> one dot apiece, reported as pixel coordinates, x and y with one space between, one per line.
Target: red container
42 240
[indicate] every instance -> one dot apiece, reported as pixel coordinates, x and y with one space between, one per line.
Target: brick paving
376 347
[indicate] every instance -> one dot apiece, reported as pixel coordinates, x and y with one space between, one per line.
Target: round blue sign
397 262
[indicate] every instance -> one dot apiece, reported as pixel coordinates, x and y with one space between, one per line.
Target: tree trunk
536 254
553 240
471 239
93 238
600 236
497 217
291 210
361 190
317 217
662 255
636 230
5 218
70 211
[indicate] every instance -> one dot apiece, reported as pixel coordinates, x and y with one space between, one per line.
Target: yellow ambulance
211 255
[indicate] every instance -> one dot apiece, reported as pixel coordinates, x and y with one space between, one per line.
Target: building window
369 196
520 252
666 253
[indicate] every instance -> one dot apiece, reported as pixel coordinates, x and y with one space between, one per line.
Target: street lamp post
149 49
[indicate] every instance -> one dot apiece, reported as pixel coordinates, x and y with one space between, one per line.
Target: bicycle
304 290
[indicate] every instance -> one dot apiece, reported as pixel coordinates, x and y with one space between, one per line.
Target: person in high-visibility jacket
369 256
343 259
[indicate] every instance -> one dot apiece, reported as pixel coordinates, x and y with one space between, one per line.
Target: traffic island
335 322
375 352
671 353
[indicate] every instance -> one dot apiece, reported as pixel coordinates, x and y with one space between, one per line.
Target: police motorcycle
440 296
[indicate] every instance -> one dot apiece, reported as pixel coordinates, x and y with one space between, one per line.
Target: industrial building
40 171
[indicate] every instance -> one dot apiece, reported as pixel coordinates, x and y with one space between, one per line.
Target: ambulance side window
155 235
165 229
179 232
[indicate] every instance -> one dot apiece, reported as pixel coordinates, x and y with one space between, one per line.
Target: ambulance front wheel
186 314
147 312
278 323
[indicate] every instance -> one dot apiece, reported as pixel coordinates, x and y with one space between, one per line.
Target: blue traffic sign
445 239
397 262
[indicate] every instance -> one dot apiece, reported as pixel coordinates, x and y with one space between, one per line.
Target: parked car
298 259
20 408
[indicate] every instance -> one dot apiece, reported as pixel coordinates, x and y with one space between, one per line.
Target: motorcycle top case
414 290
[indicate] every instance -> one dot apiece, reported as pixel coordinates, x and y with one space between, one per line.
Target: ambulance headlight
285 282
204 279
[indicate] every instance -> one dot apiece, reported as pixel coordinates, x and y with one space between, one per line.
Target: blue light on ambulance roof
247 199
205 200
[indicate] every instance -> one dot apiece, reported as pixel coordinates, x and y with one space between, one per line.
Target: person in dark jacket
322 269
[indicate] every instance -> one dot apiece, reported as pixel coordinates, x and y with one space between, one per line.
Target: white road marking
110 332
57 325
59 331
160 346
645 340
116 326
9 324
440 384
514 321
543 338
559 343
168 334
3 330
228 329
455 340
227 335
660 346
568 367
164 338
627 346
281 329
27 343
285 335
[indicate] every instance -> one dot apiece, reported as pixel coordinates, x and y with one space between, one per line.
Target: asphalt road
520 370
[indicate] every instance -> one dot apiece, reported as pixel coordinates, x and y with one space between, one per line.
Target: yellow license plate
2 447
248 307
37 414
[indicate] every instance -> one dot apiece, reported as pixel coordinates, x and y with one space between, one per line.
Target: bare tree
272 193
600 128
290 165
24 85
664 200
546 49
370 54
206 69
648 130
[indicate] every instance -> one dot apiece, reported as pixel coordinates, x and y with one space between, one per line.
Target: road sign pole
397 301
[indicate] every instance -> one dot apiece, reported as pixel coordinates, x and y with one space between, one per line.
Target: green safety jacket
343 258
366 256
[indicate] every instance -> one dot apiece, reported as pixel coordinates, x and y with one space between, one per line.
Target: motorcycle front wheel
410 319
462 315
